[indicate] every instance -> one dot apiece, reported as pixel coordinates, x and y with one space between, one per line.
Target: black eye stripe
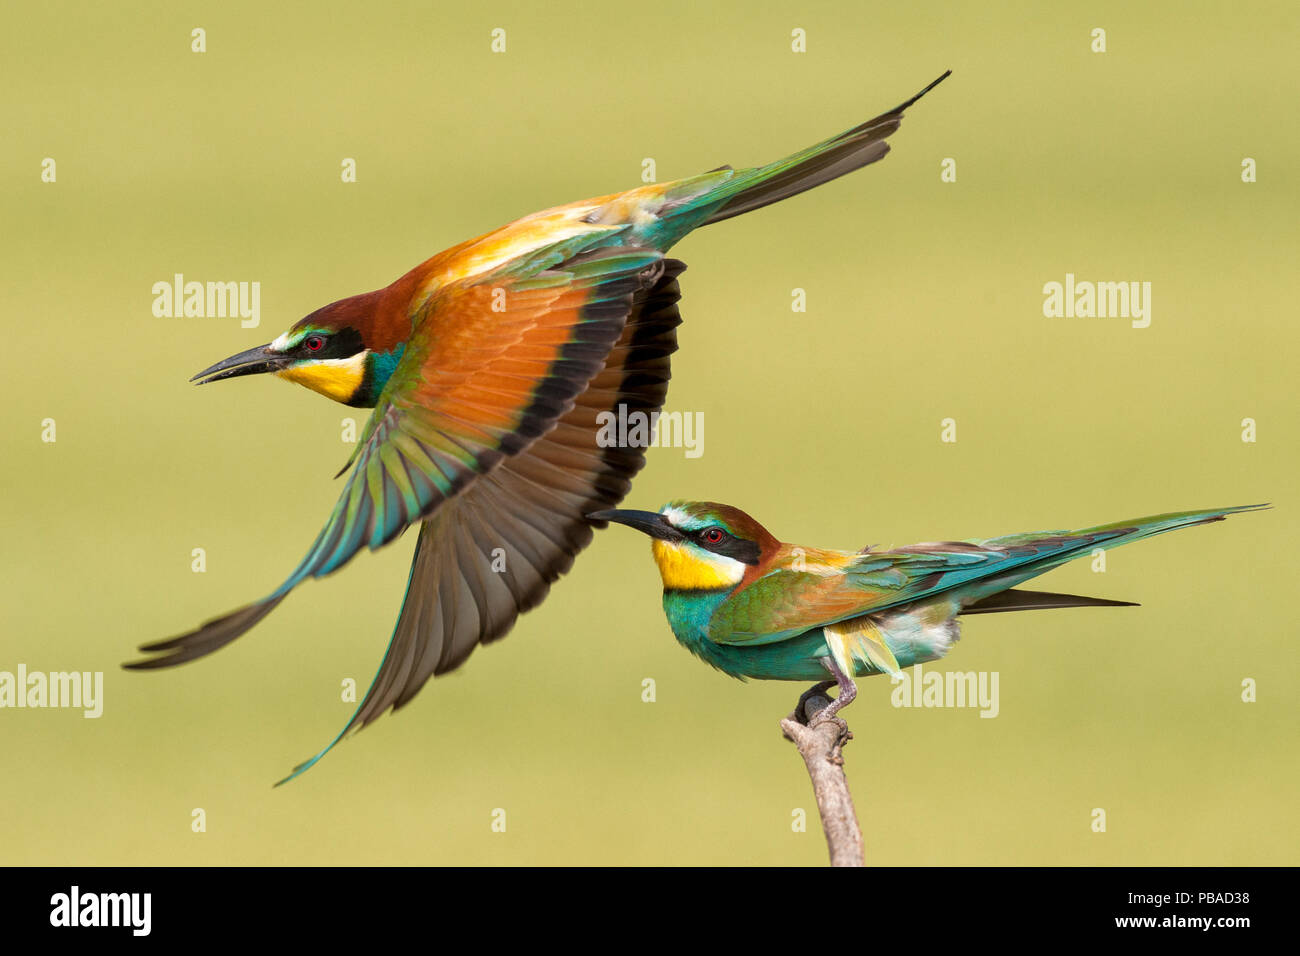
341 343
747 552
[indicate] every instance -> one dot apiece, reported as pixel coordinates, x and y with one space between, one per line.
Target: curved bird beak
647 522
253 362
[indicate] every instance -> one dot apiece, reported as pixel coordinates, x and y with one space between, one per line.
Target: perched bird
490 367
752 606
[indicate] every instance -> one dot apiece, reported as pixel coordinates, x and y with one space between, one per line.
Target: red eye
713 535
315 343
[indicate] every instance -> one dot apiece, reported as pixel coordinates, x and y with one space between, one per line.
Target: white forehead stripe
676 516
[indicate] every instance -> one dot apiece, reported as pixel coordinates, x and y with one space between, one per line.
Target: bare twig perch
820 748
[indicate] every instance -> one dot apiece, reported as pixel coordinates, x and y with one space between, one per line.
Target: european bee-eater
752 606
487 366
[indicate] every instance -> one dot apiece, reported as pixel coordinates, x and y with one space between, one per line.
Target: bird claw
821 717
827 714
844 736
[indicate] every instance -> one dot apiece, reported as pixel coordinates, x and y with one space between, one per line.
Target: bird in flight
489 368
751 606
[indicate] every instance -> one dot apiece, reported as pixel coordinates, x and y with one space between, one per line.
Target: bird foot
827 714
822 717
842 738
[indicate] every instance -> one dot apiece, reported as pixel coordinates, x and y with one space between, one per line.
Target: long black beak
648 522
253 362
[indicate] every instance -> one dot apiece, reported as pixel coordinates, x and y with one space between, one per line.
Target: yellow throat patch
686 570
338 379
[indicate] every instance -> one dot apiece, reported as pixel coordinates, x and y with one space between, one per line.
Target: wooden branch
821 748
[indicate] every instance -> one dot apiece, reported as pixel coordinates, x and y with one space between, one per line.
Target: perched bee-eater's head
331 351
699 545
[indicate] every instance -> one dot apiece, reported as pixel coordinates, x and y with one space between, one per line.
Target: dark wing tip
213 635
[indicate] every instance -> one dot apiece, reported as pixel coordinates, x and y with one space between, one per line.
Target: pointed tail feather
1051 550
864 144
1158 524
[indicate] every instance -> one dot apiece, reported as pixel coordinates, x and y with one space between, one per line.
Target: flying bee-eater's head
699 545
328 352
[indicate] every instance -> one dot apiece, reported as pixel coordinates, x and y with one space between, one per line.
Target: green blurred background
924 302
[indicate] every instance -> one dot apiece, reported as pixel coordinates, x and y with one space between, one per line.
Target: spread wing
490 366
491 553
492 369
